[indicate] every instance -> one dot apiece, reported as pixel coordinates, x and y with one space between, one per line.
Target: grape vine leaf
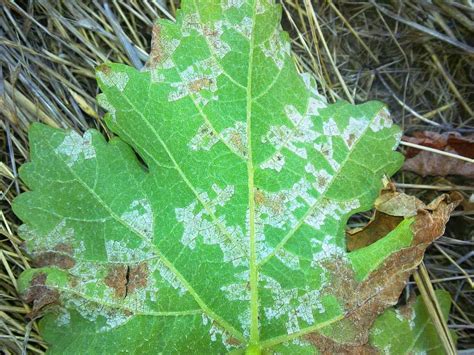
229 233
416 333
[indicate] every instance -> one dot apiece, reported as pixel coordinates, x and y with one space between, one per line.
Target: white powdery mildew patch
284 137
322 177
245 27
204 139
277 209
104 102
381 120
328 250
114 79
59 234
236 292
94 311
354 131
119 251
288 259
276 49
64 318
296 305
236 138
232 3
398 138
312 87
262 6
197 77
170 278
216 331
74 145
190 23
167 49
213 35
200 224
331 209
139 217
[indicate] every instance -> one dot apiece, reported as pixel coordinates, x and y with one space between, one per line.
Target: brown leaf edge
367 299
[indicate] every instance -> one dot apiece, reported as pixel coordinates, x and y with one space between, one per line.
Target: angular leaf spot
74 146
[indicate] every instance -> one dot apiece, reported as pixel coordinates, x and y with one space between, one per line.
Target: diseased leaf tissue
233 238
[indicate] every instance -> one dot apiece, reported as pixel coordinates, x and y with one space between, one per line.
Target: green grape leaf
414 329
229 233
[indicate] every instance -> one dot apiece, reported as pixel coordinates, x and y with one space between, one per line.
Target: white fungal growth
64 318
293 304
191 22
330 128
276 49
381 120
74 146
330 209
227 4
213 36
104 102
312 87
39 242
216 331
139 217
200 222
354 131
245 27
119 251
327 250
204 139
237 292
114 79
301 132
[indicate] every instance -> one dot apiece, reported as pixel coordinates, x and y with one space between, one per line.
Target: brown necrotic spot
126 279
39 294
60 256
137 277
117 279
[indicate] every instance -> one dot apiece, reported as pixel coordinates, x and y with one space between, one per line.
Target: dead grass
417 56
